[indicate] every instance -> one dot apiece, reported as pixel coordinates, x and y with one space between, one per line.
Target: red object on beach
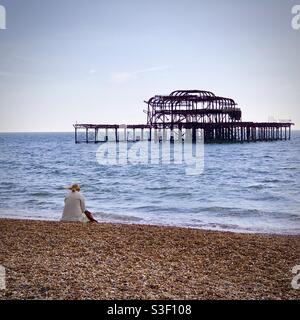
90 216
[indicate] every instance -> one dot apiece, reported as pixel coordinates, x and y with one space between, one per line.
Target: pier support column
248 134
285 136
171 136
106 134
242 134
272 133
116 135
180 135
260 134
194 135
253 134
231 133
96 136
76 140
87 135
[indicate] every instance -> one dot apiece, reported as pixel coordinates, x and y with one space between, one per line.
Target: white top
74 207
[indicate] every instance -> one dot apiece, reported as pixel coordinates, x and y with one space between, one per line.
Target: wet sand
53 260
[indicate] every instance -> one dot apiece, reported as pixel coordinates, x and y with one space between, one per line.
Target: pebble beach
54 260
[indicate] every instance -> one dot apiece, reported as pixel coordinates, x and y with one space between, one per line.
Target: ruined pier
172 116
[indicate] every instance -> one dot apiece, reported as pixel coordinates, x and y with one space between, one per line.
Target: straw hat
74 187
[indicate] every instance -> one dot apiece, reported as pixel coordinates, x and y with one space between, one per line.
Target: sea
244 187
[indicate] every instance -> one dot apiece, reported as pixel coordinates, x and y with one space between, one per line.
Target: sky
94 61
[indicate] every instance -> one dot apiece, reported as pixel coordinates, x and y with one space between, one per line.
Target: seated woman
74 209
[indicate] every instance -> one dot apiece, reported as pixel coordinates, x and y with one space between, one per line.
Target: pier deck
213 132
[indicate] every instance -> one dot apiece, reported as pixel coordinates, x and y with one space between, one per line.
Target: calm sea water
250 187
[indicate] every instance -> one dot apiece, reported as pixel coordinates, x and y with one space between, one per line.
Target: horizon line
7 132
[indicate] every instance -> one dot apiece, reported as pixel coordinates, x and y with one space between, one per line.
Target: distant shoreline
53 260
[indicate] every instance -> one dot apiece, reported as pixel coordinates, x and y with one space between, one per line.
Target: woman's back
74 207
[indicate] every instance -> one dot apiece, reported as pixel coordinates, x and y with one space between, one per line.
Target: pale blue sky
63 61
